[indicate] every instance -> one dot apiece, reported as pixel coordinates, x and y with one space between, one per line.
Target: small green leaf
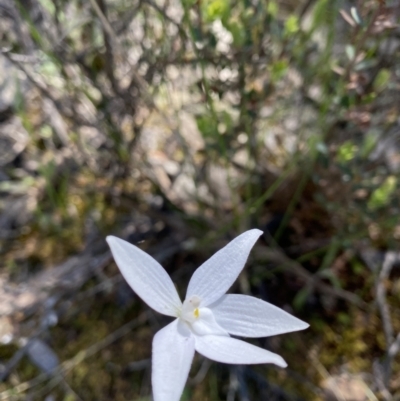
216 9
188 3
292 25
320 14
278 70
346 152
330 255
272 8
365 64
301 298
238 33
381 196
321 148
344 318
369 143
356 16
350 52
330 275
382 79
49 6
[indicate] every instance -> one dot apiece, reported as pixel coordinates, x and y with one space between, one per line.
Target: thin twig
112 37
390 259
361 42
388 363
152 4
380 380
392 344
110 42
201 374
277 256
104 21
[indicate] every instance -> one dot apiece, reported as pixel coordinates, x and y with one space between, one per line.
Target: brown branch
392 343
278 257
390 259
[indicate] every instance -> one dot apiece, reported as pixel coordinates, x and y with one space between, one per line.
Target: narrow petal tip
256 231
111 238
304 326
281 363
216 275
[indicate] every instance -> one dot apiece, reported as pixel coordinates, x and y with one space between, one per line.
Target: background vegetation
177 125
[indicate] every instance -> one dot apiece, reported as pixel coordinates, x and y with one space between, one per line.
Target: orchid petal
146 277
214 277
230 350
245 316
173 353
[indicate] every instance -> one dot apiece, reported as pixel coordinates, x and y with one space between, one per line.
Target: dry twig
392 343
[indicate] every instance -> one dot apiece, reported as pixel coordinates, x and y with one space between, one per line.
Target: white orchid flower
207 317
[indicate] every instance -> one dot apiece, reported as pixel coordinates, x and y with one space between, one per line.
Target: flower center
190 309
200 320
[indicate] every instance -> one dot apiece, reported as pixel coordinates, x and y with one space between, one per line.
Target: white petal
206 324
146 277
230 350
214 277
246 316
172 357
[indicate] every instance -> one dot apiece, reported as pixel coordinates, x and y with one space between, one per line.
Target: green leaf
350 52
382 79
49 6
292 25
330 255
301 297
321 14
207 126
188 3
346 152
238 33
272 8
330 275
381 196
356 16
321 148
344 318
278 70
369 143
216 9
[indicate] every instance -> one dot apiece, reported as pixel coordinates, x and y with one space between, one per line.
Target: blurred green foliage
208 117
